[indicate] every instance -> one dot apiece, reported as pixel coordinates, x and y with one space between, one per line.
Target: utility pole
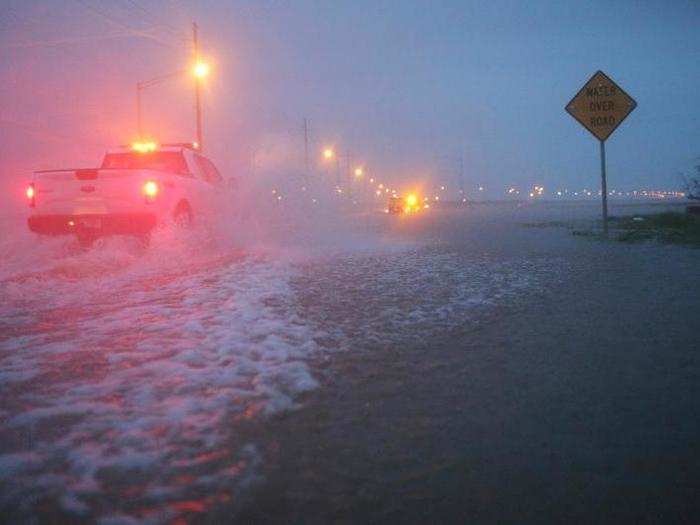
348 175
461 177
197 87
139 125
306 154
337 169
306 146
340 178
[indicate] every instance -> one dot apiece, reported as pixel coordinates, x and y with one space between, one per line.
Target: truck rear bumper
94 224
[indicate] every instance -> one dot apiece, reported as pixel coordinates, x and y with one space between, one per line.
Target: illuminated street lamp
330 154
359 172
199 71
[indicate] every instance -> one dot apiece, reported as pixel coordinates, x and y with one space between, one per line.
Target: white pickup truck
135 189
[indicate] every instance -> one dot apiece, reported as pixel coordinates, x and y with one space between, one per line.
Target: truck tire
183 215
144 239
86 239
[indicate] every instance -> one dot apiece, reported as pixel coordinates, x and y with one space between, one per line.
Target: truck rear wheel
86 239
144 239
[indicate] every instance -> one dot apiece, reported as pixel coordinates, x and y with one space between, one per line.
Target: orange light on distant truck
150 189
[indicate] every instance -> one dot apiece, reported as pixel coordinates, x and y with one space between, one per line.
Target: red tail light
31 195
150 190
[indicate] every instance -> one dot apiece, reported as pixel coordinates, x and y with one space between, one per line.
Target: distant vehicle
136 188
395 205
408 204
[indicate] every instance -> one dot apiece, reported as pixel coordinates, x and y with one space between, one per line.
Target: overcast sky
398 84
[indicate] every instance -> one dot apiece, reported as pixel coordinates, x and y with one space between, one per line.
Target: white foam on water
130 375
120 366
387 297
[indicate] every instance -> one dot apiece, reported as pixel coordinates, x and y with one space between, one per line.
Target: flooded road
456 366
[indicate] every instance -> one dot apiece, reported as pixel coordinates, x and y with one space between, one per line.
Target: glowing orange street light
200 70
359 172
328 153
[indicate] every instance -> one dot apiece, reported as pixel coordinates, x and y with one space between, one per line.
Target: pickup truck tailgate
90 191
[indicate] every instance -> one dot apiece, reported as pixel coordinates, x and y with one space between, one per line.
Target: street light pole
200 70
197 88
337 170
139 122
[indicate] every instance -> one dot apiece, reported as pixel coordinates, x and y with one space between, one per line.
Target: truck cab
135 189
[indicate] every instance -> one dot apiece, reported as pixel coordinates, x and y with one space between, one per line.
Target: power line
122 25
24 18
70 40
48 134
158 21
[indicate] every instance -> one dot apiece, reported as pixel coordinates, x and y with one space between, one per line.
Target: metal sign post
600 107
604 188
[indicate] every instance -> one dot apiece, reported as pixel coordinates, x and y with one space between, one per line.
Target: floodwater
465 365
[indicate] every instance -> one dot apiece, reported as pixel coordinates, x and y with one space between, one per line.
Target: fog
406 88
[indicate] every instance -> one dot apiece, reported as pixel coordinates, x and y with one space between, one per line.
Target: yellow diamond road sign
601 106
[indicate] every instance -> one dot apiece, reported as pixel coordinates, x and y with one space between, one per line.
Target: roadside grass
547 224
666 228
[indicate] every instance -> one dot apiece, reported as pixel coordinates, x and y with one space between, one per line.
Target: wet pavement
450 367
